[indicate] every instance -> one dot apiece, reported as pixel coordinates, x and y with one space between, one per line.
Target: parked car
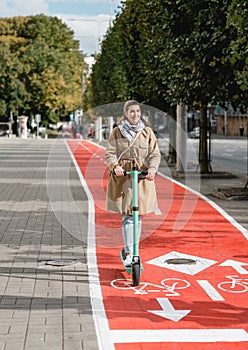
195 133
4 130
42 129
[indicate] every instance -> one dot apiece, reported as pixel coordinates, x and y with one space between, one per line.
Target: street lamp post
98 21
111 11
85 73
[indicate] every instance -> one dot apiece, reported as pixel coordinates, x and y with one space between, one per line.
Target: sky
89 19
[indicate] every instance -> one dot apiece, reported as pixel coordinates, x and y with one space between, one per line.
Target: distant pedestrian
241 130
90 134
81 130
61 130
74 130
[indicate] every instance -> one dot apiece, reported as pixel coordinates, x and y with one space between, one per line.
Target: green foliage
42 67
166 52
237 18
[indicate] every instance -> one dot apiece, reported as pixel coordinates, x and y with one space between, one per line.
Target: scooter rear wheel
136 274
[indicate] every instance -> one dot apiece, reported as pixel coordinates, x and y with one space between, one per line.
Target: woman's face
133 114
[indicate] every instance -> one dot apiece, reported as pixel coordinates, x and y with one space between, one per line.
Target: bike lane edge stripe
179 335
100 319
212 203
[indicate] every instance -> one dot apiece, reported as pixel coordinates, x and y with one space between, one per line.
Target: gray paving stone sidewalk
237 209
43 218
42 306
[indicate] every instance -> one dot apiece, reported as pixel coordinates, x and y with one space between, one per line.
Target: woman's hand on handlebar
118 170
151 172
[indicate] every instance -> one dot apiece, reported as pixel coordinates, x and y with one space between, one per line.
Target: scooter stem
135 210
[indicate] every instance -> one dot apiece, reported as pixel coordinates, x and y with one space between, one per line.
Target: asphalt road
227 153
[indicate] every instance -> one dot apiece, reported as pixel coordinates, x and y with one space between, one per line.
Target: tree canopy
169 52
41 69
237 18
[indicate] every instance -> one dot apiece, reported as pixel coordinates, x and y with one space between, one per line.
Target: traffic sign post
37 119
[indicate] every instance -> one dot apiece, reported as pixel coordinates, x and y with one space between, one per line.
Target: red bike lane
194 287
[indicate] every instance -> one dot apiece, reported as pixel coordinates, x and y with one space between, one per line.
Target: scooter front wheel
136 274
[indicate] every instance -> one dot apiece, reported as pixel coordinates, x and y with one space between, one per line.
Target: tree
42 68
191 38
237 19
178 52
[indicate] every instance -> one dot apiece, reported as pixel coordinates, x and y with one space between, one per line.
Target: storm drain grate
63 262
180 261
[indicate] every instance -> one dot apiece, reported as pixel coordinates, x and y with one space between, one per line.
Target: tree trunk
203 144
172 134
181 140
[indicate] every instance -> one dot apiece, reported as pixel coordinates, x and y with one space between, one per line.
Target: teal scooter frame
136 266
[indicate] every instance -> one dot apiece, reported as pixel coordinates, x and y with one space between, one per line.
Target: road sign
37 118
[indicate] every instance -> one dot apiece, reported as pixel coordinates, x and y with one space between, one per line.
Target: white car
195 133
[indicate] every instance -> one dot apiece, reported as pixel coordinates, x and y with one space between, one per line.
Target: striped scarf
128 130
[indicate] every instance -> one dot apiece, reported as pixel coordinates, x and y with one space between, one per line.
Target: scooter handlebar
141 174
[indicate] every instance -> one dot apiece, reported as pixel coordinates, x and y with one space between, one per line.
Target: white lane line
179 335
210 290
101 322
228 153
213 204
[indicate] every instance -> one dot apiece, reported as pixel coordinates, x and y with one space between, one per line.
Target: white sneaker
128 260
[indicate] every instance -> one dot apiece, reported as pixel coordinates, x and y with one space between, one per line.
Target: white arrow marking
237 265
168 310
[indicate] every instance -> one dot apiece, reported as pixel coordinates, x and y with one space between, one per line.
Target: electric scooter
136 266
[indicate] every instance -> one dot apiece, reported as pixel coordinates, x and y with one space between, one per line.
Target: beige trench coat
146 153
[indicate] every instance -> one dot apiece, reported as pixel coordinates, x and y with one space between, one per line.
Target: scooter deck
128 268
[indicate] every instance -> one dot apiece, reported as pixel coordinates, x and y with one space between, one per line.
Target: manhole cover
65 262
180 261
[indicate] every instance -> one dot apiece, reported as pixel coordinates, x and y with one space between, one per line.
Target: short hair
129 103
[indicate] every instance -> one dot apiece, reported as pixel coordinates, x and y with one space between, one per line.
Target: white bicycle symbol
167 286
234 285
